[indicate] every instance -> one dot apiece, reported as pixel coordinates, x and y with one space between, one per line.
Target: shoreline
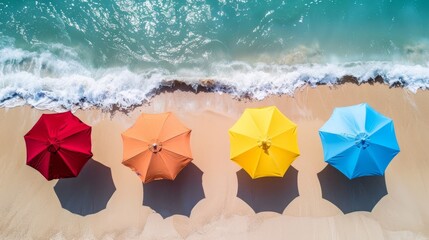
29 202
108 100
211 86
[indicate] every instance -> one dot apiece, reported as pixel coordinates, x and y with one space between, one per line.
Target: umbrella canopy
157 147
58 145
264 142
359 141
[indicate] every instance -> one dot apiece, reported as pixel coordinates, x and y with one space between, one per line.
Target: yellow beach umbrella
264 142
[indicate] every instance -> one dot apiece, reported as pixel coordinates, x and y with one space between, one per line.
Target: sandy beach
30 208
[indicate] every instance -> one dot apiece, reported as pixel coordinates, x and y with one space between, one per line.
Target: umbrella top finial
264 143
362 140
54 145
155 147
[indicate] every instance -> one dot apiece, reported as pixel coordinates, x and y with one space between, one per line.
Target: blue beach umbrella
359 141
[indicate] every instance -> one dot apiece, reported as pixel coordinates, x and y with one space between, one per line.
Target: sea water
80 53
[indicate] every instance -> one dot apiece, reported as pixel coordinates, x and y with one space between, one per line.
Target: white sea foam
46 80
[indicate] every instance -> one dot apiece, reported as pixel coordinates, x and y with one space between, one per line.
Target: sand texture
30 206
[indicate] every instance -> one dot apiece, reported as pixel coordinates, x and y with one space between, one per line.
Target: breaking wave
55 78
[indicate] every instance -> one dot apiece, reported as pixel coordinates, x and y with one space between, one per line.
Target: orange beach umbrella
157 147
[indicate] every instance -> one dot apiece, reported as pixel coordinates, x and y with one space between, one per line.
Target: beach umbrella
359 141
263 142
58 145
157 147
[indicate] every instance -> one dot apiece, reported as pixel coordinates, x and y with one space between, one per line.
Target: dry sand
30 208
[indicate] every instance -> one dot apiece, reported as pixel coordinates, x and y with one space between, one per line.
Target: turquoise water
117 52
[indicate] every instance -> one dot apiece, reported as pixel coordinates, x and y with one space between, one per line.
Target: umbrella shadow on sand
268 193
89 192
179 196
358 194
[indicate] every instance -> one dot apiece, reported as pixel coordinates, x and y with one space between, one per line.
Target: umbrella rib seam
254 123
253 147
163 125
164 149
72 134
167 150
285 150
186 132
355 164
257 165
67 164
286 130
132 137
135 155
166 166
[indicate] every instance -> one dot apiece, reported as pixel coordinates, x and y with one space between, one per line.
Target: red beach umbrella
58 145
